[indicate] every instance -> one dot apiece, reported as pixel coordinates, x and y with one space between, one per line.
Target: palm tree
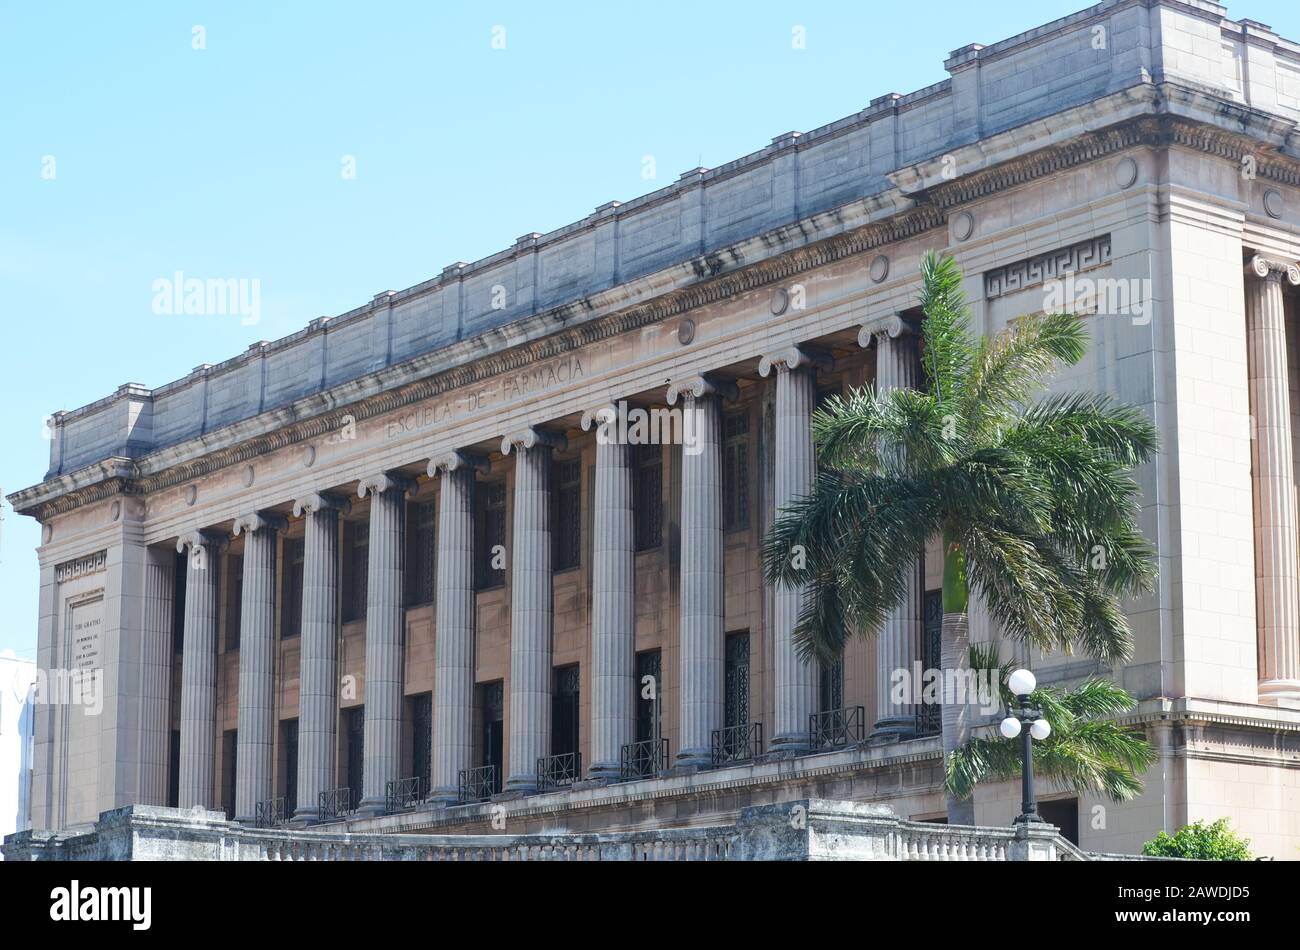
1086 750
1031 497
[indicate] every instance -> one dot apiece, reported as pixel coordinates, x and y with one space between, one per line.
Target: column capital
207 540
531 438
382 482
454 460
605 413
320 501
700 385
1268 268
893 325
794 357
258 521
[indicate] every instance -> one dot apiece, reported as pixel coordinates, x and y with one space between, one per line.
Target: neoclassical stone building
383 570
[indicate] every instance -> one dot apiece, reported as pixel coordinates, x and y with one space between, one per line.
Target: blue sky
227 161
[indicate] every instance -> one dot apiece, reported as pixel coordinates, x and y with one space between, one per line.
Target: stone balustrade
800 830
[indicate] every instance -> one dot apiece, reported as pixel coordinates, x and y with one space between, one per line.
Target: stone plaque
86 624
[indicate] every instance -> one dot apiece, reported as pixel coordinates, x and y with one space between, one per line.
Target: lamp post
1022 683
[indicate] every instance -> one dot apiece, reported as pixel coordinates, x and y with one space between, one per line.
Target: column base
692 760
515 788
604 774
372 807
893 730
789 746
443 797
1284 693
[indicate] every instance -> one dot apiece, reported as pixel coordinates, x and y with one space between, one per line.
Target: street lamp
1022 683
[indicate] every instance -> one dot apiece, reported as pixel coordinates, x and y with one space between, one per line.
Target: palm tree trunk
954 654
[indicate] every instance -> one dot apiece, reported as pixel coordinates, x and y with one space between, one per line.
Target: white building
17 721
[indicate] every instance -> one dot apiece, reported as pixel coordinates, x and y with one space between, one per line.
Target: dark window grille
356 535
356 762
291 603
234 601
648 508
491 529
649 689
929 715
492 707
837 728
564 710
178 603
422 736
831 684
422 533
289 741
230 759
736 684
566 534
735 471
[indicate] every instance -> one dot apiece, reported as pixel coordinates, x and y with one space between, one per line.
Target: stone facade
1139 157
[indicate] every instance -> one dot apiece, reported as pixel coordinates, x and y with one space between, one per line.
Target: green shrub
1200 842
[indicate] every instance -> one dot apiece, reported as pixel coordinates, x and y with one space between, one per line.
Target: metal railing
477 785
558 771
334 804
741 743
837 728
270 813
644 759
403 793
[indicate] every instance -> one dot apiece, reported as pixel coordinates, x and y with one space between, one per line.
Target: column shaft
453 690
156 639
700 652
198 676
385 617
318 660
530 617
253 759
899 640
796 469
613 713
1276 575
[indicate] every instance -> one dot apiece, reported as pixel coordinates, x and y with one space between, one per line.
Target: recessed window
566 528
490 526
647 490
735 471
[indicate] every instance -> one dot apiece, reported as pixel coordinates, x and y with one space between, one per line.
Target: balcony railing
270 813
837 728
334 804
477 785
644 759
742 743
403 793
558 771
929 719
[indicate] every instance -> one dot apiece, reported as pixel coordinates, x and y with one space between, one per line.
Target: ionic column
453 685
318 678
530 606
254 765
700 650
898 644
613 610
796 469
385 616
156 649
1276 574
199 670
